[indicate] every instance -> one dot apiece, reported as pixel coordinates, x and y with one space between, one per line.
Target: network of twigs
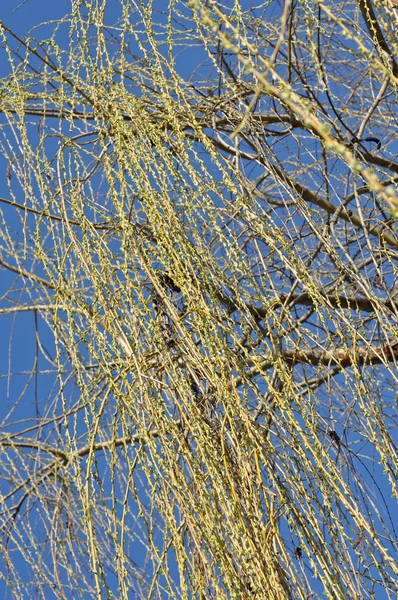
200 214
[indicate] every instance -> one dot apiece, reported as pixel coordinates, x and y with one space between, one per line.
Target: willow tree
199 230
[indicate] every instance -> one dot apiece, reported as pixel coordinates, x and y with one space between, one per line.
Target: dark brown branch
305 299
339 357
375 32
361 355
